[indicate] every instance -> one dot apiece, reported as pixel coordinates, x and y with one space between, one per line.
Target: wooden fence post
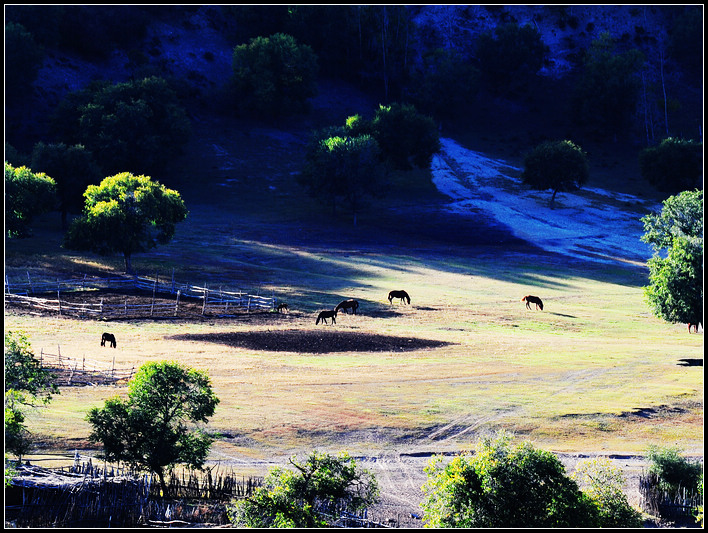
59 300
206 297
177 302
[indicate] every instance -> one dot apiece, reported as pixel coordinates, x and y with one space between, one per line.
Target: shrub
673 470
503 485
673 166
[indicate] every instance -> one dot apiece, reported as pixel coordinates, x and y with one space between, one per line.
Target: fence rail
215 302
72 371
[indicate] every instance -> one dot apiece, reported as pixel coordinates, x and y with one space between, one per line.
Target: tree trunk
128 265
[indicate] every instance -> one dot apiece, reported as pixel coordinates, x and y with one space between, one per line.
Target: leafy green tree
606 94
504 485
443 84
675 290
27 194
602 483
343 170
26 384
673 166
73 169
150 428
561 166
673 469
274 76
138 125
126 214
510 56
323 485
407 138
23 57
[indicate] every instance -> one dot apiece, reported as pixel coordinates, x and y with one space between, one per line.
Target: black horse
110 338
347 304
324 315
403 295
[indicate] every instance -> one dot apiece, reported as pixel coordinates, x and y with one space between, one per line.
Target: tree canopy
126 214
675 290
27 194
322 485
504 485
150 428
673 166
561 166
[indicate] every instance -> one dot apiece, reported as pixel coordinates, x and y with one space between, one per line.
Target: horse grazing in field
533 300
108 337
347 304
403 295
324 315
694 325
283 307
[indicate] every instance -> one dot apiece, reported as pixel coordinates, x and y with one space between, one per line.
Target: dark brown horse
347 304
108 337
533 300
403 295
324 315
283 307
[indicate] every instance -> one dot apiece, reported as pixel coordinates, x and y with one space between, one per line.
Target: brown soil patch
317 342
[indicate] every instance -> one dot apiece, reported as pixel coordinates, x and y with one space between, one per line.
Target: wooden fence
214 302
71 371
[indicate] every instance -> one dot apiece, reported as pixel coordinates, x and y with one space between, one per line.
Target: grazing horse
283 307
110 338
347 304
403 295
694 325
324 315
533 300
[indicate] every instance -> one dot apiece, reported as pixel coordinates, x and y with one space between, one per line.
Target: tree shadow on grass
316 342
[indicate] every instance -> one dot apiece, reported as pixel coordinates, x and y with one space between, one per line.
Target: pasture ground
593 374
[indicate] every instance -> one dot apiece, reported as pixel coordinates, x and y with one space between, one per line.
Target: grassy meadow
593 372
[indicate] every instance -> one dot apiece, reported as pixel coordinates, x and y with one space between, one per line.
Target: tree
510 56
673 166
407 138
345 169
274 76
504 485
149 428
606 95
73 169
137 125
323 485
23 58
126 214
675 290
26 384
27 194
602 483
557 165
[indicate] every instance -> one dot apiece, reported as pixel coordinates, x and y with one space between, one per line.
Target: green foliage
504 485
673 166
444 84
137 126
126 214
607 92
27 194
149 429
602 483
675 292
343 169
274 76
323 485
510 56
406 137
23 57
557 165
26 383
73 169
674 471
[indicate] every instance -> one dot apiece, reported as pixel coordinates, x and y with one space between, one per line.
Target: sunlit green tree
322 485
27 194
126 214
155 427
